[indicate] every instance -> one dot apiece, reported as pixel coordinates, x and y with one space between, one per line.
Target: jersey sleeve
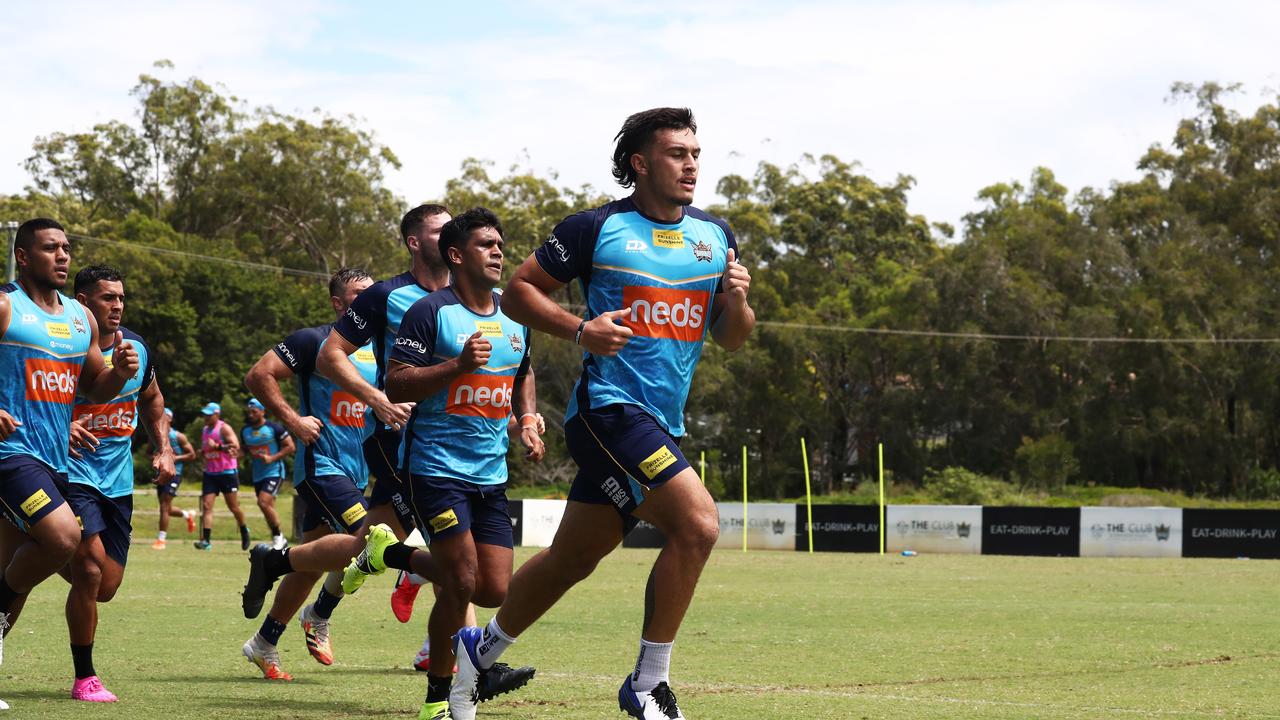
732 243
299 350
366 318
279 430
528 352
148 371
568 251
416 342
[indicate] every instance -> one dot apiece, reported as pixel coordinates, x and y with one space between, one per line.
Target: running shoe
657 704
403 596
422 662
266 657
435 711
158 544
4 705
190 517
279 543
203 545
90 690
256 588
316 630
472 684
244 538
369 561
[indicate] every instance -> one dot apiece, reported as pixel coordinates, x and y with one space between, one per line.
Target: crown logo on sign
1162 532
779 526
962 529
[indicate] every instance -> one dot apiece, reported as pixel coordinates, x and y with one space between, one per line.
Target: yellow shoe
435 711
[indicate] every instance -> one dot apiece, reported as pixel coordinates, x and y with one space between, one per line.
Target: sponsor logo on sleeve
660 460
288 356
108 420
487 396
665 312
353 514
554 244
32 505
51 380
444 520
345 410
668 238
409 343
355 318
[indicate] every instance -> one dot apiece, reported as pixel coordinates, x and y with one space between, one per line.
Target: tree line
1155 280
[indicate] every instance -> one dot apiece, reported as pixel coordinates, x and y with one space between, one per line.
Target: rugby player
183 452
330 475
462 361
267 445
100 471
48 351
220 448
657 274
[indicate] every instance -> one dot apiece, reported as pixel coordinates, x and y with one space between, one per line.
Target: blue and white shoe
657 704
464 694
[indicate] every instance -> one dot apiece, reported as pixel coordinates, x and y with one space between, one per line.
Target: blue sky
957 94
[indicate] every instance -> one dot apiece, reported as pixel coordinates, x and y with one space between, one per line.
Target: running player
657 273
220 448
267 445
166 492
48 350
462 361
100 490
330 475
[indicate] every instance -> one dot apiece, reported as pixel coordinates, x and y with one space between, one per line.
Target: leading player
657 274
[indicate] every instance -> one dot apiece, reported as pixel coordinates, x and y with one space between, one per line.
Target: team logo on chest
79 325
702 251
516 343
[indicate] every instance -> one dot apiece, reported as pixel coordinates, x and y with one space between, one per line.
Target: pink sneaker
403 596
90 690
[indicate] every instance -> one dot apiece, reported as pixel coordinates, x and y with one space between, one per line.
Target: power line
244 264
1021 338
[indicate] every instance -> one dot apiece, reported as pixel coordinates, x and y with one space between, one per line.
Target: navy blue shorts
333 500
111 519
381 452
170 488
29 490
447 507
226 482
270 485
622 453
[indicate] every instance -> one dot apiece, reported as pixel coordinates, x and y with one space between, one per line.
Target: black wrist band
577 339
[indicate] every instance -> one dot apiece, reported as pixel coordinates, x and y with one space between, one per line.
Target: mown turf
771 635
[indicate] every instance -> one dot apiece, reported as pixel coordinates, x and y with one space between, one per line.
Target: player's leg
46 547
266 497
209 489
231 496
261 649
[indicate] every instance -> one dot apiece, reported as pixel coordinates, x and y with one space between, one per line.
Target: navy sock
325 603
206 533
275 530
271 630
438 688
397 556
82 656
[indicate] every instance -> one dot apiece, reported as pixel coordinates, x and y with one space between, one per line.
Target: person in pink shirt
220 448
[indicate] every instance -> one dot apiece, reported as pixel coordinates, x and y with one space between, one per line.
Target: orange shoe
316 631
403 596
190 517
158 544
266 657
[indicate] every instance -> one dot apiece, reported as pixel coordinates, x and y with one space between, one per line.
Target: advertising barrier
515 508
933 528
770 526
1231 533
539 519
840 528
1130 532
1030 531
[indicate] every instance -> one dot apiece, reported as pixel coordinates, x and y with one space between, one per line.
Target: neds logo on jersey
665 313
478 395
51 380
113 420
346 410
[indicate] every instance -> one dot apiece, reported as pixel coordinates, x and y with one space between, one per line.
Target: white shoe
657 704
279 543
464 694
4 705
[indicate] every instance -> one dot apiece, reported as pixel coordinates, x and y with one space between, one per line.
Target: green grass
771 635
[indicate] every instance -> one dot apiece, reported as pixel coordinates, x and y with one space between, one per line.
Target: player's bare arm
407 383
156 423
332 363
732 317
101 383
527 300
263 380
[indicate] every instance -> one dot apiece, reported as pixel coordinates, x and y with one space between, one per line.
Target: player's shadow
292 707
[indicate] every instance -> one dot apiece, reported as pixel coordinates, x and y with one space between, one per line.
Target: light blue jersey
461 431
177 450
347 421
667 275
264 437
109 467
42 356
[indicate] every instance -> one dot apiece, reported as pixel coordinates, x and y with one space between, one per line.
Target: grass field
771 635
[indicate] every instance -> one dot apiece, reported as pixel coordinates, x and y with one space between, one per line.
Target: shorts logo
660 460
444 521
51 380
487 396
353 514
109 420
489 328
666 313
58 330
346 410
616 493
364 355
32 505
668 238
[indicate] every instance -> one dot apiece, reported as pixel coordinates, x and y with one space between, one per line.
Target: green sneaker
369 561
435 711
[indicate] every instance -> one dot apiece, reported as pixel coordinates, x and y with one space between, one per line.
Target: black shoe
244 538
502 678
260 582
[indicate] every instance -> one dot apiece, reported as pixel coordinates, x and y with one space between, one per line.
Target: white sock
161 535
652 666
493 641
186 514
426 647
